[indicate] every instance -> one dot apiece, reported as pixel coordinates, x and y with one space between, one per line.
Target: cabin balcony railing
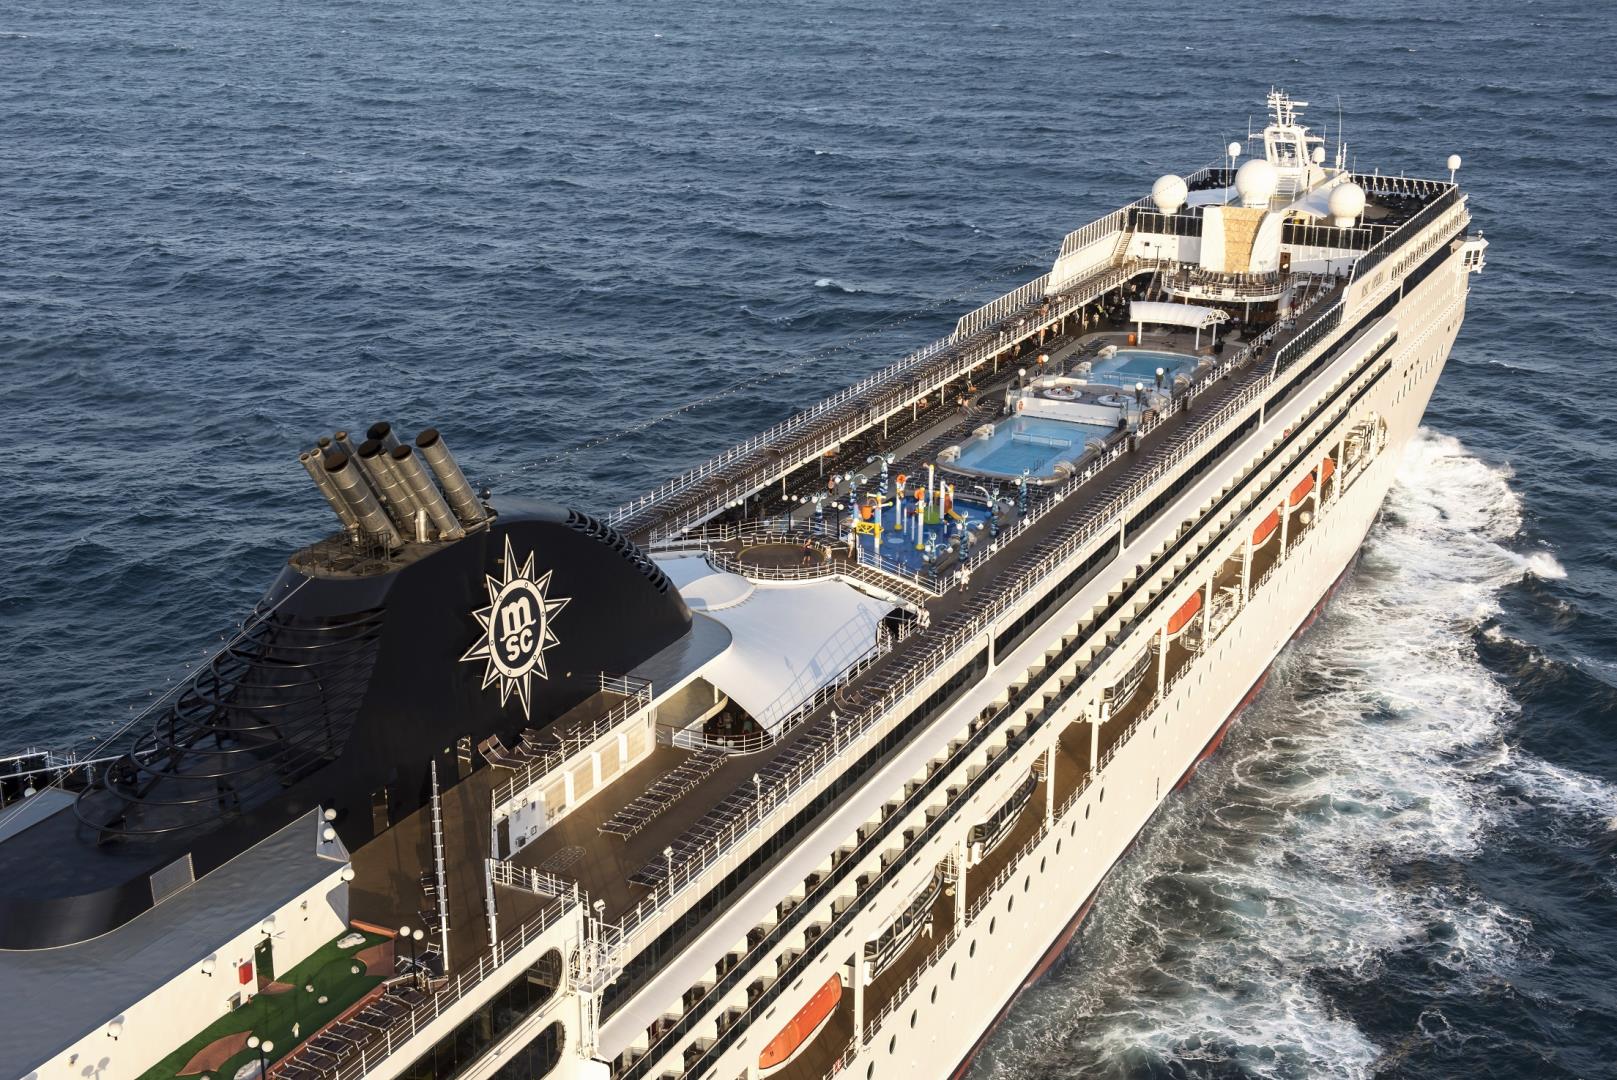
1048 710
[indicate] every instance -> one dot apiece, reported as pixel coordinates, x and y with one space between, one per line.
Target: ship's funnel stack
314 462
382 432
426 493
465 502
396 496
356 491
381 489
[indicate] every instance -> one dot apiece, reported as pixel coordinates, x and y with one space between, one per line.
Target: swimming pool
1028 442
1130 366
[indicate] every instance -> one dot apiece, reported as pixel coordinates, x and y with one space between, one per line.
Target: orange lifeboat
1326 468
801 1029
1304 486
1266 528
1186 612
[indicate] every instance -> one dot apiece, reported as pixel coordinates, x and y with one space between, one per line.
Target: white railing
396 1033
969 357
637 698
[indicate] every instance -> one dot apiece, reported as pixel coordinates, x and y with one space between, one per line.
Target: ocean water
594 243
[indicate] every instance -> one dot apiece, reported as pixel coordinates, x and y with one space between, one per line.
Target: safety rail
785 795
995 310
396 1033
967 358
1429 213
637 698
1047 711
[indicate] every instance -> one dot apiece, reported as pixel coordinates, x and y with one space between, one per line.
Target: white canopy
1147 311
788 640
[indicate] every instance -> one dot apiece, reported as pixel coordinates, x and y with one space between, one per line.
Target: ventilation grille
172 878
600 531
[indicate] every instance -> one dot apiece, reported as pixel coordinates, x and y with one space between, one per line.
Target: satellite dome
1319 155
1234 149
1346 204
1169 193
1454 162
1255 182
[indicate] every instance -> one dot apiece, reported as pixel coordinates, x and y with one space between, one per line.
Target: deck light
115 1029
328 834
207 967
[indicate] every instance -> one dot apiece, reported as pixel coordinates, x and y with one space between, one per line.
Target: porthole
1102 794
932 998
951 972
892 1044
1086 813
1072 826
971 952
913 1015
1058 847
1041 861
991 924
870 1070
1010 905
1026 882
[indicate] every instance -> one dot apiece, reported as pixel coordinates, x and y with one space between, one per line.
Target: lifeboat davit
1300 492
1186 612
1266 528
801 1029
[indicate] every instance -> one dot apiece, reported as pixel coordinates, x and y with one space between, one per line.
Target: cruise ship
806 762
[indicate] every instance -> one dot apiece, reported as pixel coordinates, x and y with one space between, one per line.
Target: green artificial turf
271 1016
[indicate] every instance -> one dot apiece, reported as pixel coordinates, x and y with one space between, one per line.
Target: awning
789 641
1149 311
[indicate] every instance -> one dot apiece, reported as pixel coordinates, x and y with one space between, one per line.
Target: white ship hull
1036 913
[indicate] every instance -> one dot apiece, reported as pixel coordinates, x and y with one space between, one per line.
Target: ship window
951 972
912 1017
1041 861
991 924
933 997
892 1044
1026 882
971 953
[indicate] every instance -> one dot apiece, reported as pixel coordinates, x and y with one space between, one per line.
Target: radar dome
1346 204
1234 149
1255 182
1319 155
1169 193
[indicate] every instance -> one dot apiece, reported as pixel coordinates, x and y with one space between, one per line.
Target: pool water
1034 443
1130 366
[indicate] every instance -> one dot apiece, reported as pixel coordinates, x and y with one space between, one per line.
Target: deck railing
391 1038
637 698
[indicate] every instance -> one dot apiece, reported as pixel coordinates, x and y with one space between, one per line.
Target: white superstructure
959 631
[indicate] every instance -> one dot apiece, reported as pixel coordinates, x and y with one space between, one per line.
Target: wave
1325 842
836 286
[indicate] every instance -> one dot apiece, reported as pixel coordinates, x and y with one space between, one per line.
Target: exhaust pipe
382 432
311 462
396 497
467 508
357 493
426 493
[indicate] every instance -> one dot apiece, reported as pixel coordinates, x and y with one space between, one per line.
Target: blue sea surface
596 242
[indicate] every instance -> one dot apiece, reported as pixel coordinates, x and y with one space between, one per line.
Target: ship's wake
1265 905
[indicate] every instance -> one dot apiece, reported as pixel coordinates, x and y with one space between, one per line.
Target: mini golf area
220 1050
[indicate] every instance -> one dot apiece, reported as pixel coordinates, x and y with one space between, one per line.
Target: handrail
639 698
966 358
397 1032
